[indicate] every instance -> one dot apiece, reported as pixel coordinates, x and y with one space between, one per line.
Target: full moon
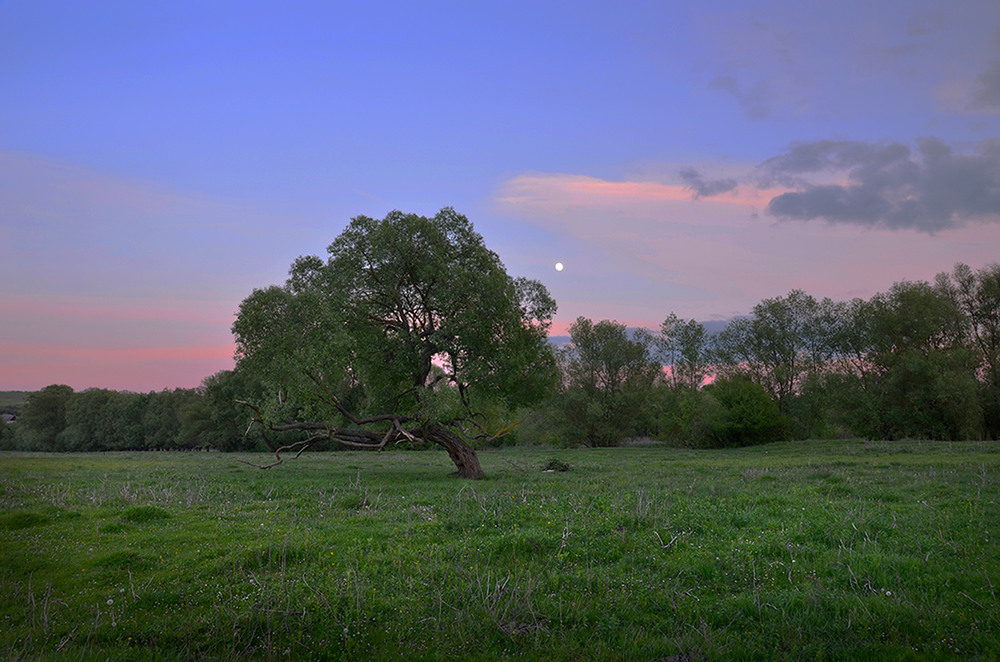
559 266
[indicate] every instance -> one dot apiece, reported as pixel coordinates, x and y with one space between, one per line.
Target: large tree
407 332
977 295
779 345
927 381
608 374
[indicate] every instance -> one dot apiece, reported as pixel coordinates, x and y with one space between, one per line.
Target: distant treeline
57 418
919 361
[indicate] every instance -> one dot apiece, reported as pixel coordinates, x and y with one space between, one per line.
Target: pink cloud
556 193
591 186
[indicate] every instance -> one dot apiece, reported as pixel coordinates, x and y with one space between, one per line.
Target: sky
159 161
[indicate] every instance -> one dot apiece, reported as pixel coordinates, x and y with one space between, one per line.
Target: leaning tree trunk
461 453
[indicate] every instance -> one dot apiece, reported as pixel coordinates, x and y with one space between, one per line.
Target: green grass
824 550
13 398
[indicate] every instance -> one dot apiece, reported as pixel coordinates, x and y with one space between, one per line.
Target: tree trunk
461 453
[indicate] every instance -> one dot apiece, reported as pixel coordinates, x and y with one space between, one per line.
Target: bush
688 416
541 426
749 415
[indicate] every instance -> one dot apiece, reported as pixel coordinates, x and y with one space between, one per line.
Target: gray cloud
753 101
705 187
922 24
988 93
828 156
889 185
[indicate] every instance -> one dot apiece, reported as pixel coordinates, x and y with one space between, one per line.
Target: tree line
57 418
921 360
412 333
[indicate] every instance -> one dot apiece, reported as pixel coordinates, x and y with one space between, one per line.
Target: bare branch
301 445
288 426
260 416
506 429
408 435
344 441
353 438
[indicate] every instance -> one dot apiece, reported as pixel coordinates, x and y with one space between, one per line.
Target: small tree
44 417
407 332
683 346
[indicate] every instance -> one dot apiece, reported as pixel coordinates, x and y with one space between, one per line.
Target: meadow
826 550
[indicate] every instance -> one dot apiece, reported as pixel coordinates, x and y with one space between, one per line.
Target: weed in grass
555 464
507 602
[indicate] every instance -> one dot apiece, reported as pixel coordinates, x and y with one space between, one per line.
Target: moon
559 266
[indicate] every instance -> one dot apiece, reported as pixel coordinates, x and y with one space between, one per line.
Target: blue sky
160 160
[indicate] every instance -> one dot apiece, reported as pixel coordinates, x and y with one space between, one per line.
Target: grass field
824 550
13 398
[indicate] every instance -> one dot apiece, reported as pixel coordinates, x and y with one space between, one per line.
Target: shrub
750 416
688 416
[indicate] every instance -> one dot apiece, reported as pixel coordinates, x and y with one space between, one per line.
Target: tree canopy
408 331
606 380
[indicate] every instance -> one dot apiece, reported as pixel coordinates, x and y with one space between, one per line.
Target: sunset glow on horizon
159 162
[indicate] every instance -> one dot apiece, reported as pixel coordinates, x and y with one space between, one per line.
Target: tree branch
332 399
408 435
301 445
353 438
